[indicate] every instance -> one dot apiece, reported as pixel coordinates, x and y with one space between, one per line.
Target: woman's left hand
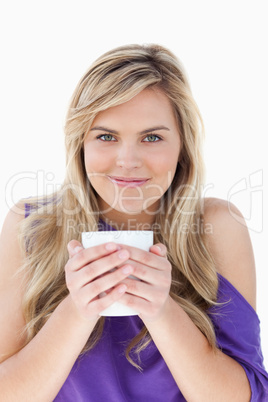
149 295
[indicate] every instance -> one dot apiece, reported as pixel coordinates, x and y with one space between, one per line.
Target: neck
121 221
130 224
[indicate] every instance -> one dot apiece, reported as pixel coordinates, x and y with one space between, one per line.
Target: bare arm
201 374
38 371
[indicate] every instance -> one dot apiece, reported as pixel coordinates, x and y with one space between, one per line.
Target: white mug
142 239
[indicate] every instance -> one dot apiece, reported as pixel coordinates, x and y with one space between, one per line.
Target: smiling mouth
128 181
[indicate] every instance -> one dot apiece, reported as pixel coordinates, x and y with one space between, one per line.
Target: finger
79 277
98 305
74 247
159 249
146 309
138 304
140 289
85 256
99 286
151 275
148 258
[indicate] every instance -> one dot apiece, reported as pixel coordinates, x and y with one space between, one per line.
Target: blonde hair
113 79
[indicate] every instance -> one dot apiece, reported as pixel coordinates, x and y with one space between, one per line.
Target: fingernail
123 254
77 249
127 269
122 289
111 246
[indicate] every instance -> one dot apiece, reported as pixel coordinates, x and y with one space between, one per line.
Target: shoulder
11 254
9 239
14 216
229 243
11 283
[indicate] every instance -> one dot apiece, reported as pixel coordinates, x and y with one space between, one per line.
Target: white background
46 46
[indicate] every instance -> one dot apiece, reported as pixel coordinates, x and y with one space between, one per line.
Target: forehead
150 105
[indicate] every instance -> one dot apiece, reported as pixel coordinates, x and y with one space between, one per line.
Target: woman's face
131 154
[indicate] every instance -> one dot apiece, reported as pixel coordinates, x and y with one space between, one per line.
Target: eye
152 138
106 137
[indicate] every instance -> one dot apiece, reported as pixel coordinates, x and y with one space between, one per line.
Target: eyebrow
148 130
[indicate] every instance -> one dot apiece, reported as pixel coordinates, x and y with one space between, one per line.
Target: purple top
104 374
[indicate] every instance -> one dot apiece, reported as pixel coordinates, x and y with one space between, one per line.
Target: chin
129 209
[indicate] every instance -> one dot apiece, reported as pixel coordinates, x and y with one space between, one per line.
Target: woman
134 162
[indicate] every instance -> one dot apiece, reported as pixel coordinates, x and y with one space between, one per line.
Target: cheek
165 164
166 169
96 161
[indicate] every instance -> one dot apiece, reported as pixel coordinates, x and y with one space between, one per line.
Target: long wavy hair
115 78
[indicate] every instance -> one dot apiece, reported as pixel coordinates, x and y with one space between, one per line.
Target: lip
128 181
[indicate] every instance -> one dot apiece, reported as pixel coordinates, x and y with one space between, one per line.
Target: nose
128 157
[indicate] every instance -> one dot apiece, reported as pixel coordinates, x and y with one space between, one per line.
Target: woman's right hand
88 275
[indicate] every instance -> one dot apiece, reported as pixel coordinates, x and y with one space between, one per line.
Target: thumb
159 249
74 247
